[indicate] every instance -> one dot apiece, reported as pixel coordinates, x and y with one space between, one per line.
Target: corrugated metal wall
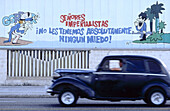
42 63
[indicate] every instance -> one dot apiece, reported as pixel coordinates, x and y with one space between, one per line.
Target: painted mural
19 24
157 36
85 24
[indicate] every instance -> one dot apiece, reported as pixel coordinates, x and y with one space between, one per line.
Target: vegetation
162 26
156 9
150 16
157 36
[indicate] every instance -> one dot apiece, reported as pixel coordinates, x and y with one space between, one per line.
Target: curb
2 95
24 92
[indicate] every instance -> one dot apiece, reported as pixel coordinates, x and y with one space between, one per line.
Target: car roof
131 56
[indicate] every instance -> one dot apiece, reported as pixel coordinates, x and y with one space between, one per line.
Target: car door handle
96 78
86 77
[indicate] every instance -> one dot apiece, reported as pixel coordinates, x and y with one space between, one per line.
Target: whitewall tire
68 98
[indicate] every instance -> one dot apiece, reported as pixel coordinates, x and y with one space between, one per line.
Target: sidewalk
23 91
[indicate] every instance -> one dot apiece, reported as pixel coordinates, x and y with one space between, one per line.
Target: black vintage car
126 77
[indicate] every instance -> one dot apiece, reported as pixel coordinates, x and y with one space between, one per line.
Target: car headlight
56 75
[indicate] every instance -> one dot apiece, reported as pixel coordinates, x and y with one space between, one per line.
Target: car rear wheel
68 98
156 97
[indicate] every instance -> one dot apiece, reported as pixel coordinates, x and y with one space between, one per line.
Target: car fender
158 84
75 82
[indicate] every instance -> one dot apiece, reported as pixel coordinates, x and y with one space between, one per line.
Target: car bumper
52 92
49 91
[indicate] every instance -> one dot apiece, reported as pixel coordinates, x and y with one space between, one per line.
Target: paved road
51 104
23 91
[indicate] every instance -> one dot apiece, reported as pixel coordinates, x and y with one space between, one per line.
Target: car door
109 82
135 76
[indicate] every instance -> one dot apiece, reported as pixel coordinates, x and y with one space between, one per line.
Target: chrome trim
142 74
49 90
56 74
157 98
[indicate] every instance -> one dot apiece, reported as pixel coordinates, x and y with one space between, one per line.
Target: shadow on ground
108 105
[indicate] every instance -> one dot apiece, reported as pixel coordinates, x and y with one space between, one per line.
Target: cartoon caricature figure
141 25
21 27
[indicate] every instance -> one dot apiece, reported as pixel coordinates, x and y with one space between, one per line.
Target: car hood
75 70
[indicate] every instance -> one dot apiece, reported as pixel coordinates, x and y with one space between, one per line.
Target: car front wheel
68 98
156 97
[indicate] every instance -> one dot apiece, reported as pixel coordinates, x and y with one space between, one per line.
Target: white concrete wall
97 55
3 66
94 59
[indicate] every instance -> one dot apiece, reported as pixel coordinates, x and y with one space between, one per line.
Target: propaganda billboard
85 24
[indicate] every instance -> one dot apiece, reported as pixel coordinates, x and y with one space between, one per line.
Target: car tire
68 98
155 97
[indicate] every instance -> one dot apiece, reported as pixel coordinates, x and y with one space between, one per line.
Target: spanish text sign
85 24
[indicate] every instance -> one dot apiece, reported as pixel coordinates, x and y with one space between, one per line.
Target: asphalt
23 91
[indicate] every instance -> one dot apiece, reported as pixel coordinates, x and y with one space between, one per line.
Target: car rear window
154 67
135 65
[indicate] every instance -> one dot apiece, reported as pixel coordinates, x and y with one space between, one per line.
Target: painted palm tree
162 26
150 16
156 9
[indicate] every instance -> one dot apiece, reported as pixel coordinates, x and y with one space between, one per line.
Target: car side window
154 67
135 65
113 65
